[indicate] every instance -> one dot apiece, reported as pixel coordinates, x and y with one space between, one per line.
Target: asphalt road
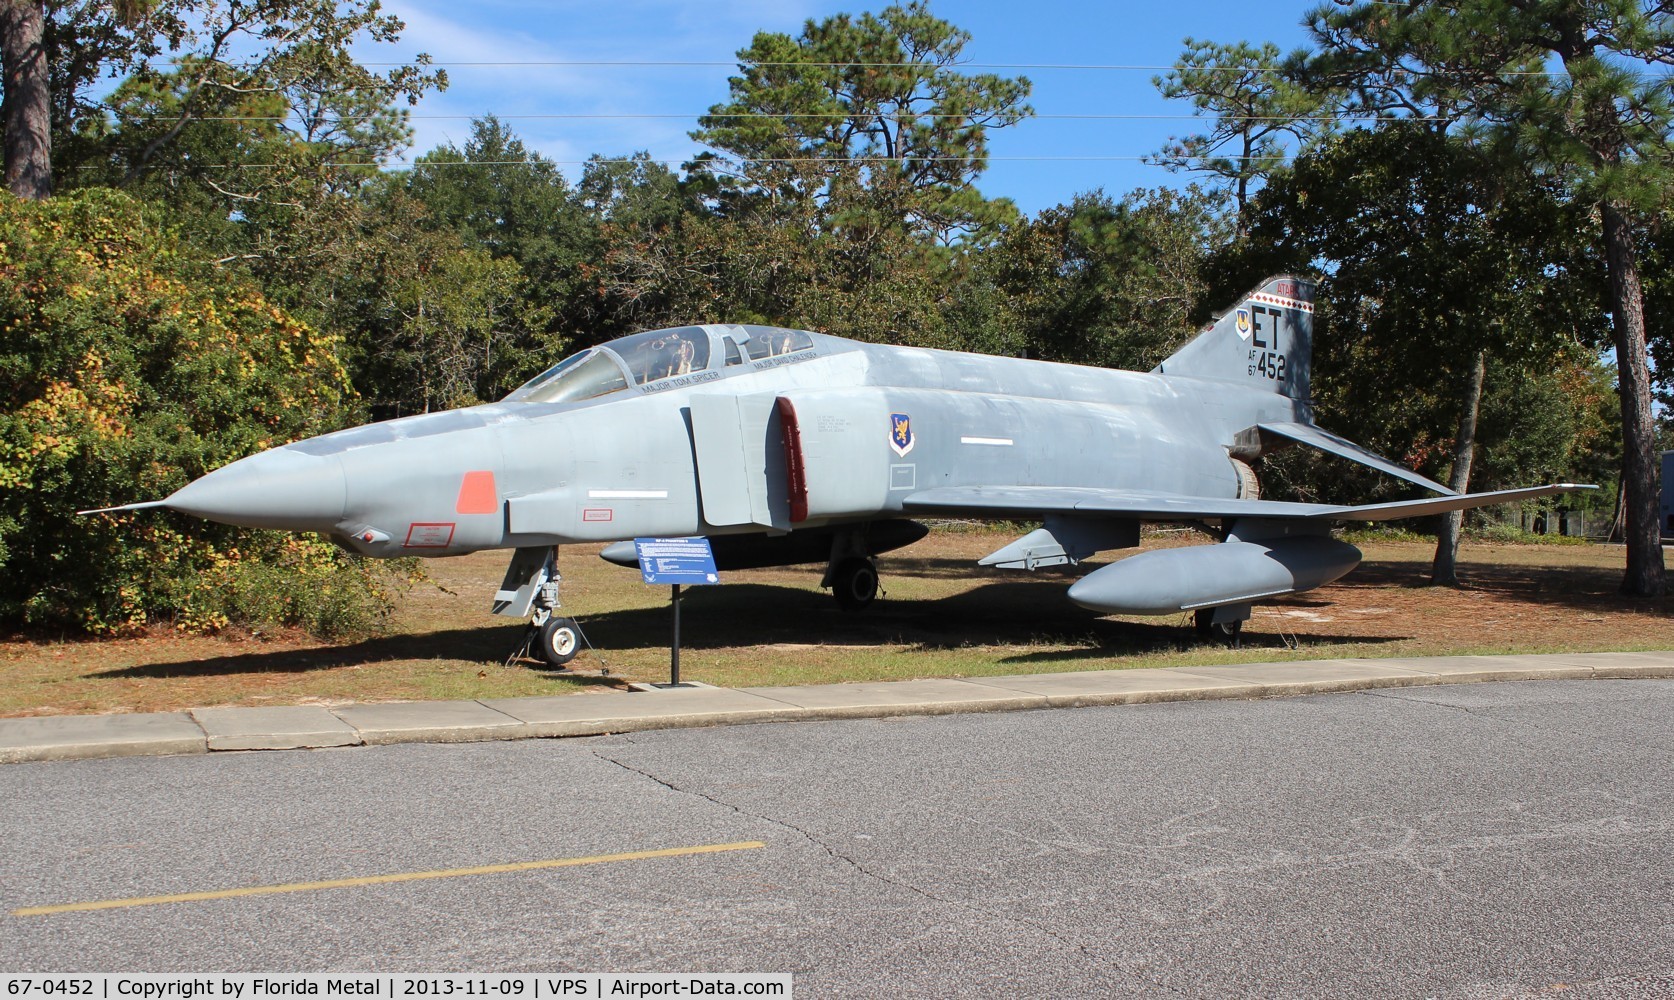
1474 841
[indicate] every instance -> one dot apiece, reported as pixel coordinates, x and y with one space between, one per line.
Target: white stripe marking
1002 442
627 494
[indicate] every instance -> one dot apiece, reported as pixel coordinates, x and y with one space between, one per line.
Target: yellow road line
343 883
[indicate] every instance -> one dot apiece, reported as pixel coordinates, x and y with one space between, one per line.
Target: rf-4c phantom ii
785 447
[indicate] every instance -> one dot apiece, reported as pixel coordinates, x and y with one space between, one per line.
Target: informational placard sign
676 560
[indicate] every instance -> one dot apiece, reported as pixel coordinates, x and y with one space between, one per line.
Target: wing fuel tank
1169 581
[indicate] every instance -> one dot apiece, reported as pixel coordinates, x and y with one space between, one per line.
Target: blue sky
1029 160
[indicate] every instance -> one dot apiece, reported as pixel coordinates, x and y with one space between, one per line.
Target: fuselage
736 430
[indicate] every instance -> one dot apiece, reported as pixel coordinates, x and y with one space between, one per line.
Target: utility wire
834 115
726 162
735 64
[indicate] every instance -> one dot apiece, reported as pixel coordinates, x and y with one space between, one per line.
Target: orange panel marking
477 494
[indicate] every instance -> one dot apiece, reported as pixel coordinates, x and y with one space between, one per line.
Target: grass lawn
941 616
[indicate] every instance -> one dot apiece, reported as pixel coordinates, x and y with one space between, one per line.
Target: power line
832 161
834 115
734 64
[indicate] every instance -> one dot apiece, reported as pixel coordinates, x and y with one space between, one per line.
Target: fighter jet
784 447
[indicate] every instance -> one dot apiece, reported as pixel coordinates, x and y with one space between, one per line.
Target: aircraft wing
1149 505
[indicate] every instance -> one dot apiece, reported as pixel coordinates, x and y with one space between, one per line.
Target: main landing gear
1223 624
852 573
854 582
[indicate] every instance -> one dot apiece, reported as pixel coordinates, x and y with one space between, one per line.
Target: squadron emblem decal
1244 323
900 433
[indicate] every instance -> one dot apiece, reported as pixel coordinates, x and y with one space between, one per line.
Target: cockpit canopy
644 359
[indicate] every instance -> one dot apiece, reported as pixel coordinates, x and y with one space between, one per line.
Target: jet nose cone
275 489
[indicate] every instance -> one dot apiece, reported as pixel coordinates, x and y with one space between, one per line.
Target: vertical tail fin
1264 340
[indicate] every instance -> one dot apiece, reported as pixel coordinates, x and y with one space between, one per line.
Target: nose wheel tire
855 583
560 641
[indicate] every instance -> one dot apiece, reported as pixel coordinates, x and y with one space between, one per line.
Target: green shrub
1384 531
128 367
296 583
1514 534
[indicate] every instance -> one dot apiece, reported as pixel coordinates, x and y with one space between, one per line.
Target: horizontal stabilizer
1147 505
1331 444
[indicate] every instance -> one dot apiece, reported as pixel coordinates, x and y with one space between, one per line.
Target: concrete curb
76 737
205 730
287 728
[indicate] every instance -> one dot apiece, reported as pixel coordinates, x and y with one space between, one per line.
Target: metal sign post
674 650
676 561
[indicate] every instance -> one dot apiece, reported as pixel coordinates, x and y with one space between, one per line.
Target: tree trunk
1641 475
1444 571
27 107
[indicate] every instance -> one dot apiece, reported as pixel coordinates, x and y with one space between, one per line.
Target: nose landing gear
531 588
559 640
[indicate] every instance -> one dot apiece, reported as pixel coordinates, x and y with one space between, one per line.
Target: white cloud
648 31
